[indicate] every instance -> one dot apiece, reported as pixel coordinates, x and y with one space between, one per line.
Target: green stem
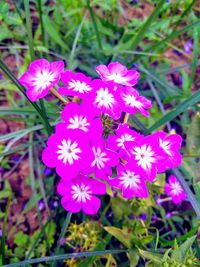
95 25
195 204
29 29
43 118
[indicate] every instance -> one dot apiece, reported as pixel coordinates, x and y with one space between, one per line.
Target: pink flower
133 102
174 190
79 194
117 73
82 117
147 155
77 116
129 181
170 145
40 77
122 136
77 84
105 99
66 151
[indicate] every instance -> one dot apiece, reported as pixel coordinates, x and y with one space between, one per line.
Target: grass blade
29 29
62 233
71 57
138 123
21 111
64 256
171 90
34 188
194 56
185 12
41 21
95 24
195 98
158 100
146 25
51 29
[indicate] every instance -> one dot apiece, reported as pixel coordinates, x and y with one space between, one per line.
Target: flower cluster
85 156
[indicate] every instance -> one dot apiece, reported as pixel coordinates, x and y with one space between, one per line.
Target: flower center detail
176 188
123 138
78 86
78 122
100 158
104 98
43 79
144 155
165 146
68 151
131 101
129 179
116 77
81 193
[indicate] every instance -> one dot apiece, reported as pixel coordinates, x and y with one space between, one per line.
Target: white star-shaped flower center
116 77
131 101
129 179
43 79
78 122
68 151
165 146
81 193
124 138
104 98
144 156
79 86
176 188
99 158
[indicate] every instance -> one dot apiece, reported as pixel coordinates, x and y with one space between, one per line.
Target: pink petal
39 65
71 206
91 206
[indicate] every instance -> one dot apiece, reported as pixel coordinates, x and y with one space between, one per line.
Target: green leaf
7 191
155 257
180 253
133 258
121 234
195 98
21 239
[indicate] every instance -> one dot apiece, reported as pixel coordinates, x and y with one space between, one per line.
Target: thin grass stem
92 14
29 29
